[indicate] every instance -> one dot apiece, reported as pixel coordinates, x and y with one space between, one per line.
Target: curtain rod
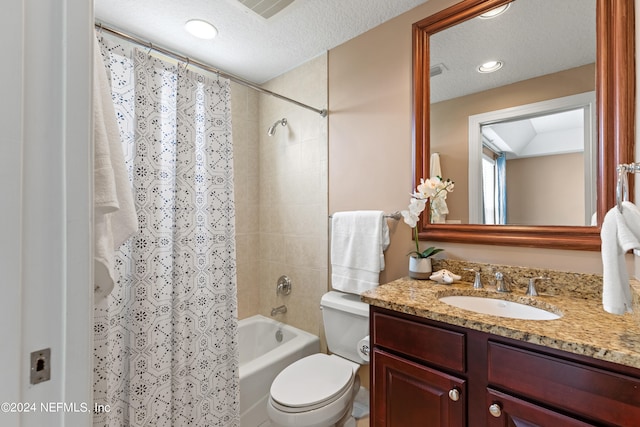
202 65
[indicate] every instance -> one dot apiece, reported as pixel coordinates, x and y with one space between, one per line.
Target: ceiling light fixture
201 29
495 12
490 66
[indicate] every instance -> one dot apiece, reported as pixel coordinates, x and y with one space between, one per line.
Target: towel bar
395 216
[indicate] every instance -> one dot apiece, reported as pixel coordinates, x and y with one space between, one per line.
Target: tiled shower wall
281 196
244 112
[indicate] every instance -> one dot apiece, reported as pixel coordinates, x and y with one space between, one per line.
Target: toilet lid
311 381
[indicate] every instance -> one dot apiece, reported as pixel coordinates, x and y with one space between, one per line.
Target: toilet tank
346 321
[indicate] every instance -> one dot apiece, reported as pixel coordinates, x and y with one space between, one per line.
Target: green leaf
430 252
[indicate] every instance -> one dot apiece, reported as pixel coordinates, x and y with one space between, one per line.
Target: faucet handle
531 289
284 286
477 282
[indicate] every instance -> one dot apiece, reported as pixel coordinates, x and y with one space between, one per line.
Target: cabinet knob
495 410
454 394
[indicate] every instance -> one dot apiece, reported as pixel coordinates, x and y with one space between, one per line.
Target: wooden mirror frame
615 99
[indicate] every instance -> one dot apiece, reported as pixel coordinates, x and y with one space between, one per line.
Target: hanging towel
439 208
620 233
115 218
434 166
358 242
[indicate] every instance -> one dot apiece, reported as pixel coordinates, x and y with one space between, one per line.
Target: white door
45 210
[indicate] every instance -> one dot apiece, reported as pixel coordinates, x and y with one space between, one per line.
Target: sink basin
499 307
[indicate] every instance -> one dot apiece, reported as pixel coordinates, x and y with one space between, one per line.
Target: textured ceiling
533 38
249 45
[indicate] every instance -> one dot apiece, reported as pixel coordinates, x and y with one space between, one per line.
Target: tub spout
279 310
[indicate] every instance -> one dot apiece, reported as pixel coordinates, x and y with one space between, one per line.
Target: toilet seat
311 383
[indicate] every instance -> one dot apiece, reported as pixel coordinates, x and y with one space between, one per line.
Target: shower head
272 129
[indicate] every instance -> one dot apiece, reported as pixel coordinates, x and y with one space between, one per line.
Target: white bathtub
262 358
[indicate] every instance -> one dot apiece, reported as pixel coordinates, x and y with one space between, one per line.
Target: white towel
115 218
620 233
358 242
434 165
439 208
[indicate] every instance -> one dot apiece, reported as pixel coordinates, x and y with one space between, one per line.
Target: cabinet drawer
434 345
581 389
516 412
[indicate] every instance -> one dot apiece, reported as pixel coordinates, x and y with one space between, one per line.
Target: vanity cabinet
435 374
414 393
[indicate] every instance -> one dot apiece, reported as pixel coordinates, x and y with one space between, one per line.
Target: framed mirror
610 73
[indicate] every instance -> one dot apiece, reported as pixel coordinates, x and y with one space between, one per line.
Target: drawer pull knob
454 394
495 410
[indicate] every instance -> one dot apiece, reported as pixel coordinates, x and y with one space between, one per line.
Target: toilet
318 390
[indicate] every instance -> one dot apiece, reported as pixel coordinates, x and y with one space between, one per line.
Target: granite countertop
584 328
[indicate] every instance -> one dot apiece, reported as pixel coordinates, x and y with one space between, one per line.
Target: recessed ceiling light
495 12
490 66
201 29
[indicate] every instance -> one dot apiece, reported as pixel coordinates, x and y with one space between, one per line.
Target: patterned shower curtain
166 348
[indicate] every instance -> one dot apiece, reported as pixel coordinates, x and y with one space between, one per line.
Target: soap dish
444 276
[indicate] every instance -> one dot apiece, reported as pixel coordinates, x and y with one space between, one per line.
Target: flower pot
419 268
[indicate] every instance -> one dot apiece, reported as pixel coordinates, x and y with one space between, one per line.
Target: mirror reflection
519 142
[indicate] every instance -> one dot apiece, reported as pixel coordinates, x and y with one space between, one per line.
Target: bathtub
262 357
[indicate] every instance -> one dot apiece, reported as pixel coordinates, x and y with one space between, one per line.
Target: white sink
499 307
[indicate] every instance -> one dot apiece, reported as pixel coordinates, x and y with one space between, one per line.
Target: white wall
45 117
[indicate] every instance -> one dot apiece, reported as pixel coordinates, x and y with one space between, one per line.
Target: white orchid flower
409 219
411 216
434 189
416 206
426 189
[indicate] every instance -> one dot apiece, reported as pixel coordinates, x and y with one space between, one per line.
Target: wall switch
40 366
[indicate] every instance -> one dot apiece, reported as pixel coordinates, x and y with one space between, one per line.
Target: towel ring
622 187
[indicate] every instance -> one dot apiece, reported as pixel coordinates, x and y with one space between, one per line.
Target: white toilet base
344 419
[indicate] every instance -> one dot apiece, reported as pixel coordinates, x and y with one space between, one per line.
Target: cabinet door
405 393
508 411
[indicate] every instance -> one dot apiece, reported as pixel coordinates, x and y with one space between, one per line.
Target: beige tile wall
293 212
281 196
244 112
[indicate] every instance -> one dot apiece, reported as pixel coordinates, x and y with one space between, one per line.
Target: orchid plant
435 190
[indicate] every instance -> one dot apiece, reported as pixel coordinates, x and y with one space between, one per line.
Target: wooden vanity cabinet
428 373
409 384
414 393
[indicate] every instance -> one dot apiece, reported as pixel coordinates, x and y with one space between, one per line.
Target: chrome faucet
531 289
502 283
279 310
477 282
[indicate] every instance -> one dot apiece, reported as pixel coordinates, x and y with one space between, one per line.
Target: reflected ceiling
480 40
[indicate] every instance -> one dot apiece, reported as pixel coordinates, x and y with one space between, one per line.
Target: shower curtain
166 347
